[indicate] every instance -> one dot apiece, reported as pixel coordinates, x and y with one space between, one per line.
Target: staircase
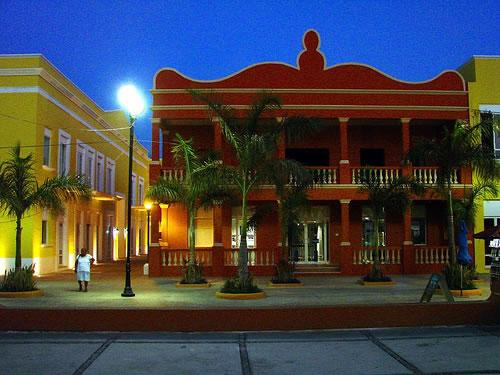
302 270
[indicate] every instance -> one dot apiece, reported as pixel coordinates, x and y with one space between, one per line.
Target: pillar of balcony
344 167
345 242
408 260
155 147
405 143
218 251
165 148
281 142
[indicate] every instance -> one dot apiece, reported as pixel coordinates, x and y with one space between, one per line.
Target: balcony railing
327 176
255 257
431 255
387 255
383 174
177 257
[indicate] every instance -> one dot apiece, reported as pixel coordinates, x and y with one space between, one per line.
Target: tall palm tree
255 144
387 197
20 191
201 186
464 145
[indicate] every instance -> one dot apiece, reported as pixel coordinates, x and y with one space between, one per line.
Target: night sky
101 44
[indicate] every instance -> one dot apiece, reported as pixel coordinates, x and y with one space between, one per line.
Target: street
423 350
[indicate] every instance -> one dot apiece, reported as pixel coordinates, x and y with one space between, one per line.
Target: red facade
371 120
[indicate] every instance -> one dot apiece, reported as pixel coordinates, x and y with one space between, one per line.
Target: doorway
308 242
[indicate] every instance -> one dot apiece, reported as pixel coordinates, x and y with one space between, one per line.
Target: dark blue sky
101 44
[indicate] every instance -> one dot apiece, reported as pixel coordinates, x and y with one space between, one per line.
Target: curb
193 286
27 294
241 296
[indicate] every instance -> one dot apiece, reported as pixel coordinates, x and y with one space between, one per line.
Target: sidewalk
322 303
107 283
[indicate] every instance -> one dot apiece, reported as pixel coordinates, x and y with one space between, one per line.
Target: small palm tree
387 197
255 144
201 186
20 192
463 146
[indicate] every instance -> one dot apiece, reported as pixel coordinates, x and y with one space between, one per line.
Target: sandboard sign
435 280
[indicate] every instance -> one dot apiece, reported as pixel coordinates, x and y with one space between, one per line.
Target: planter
284 285
376 283
241 296
193 286
466 292
28 294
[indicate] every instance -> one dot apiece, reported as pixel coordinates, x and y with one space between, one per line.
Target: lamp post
148 206
131 100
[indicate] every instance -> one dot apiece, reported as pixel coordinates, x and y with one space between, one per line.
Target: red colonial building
371 120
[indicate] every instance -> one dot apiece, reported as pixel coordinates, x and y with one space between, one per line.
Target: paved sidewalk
107 283
425 350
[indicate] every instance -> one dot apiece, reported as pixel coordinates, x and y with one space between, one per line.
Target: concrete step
317 269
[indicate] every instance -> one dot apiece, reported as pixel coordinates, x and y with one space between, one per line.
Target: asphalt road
425 350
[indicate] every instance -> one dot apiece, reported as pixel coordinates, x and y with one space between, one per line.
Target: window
236 229
310 157
100 172
80 158
204 227
419 225
110 176
46 147
134 190
368 234
89 166
491 112
45 229
372 157
140 191
64 150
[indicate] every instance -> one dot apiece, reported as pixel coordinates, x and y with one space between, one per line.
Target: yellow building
483 76
69 134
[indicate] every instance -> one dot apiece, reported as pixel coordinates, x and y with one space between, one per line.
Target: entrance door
308 242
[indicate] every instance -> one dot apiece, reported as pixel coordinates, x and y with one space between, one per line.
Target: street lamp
148 206
130 99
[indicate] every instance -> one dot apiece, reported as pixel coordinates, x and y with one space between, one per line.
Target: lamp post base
127 292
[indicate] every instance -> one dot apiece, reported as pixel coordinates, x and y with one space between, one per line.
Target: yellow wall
35 96
483 76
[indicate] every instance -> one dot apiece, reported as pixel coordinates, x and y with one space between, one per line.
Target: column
408 256
345 242
165 148
155 146
344 167
218 250
281 141
154 256
405 144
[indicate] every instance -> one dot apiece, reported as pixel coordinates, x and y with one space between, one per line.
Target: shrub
19 280
192 273
376 275
235 286
452 273
284 273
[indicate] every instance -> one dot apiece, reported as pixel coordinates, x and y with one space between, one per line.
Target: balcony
329 176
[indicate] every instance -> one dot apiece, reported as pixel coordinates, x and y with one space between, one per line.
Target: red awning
489 233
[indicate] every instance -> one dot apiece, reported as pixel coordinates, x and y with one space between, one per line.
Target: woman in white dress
82 269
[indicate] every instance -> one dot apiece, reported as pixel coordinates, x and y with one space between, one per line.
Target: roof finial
310 59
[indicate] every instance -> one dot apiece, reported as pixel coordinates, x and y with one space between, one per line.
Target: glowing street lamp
131 100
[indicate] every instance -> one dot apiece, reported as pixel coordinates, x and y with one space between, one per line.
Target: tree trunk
191 237
19 230
376 271
243 253
451 229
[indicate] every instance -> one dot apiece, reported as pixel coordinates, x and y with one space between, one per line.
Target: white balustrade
173 174
431 255
387 254
177 258
324 175
429 175
255 257
384 175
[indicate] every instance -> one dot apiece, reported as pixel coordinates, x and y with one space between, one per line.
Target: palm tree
393 196
20 192
463 146
200 187
255 144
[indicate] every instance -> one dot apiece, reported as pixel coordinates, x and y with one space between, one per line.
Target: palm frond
166 191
